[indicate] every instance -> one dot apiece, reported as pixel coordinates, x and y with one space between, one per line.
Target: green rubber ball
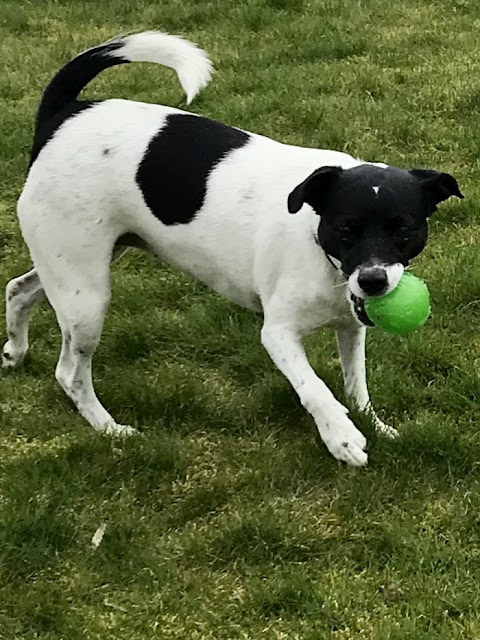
404 309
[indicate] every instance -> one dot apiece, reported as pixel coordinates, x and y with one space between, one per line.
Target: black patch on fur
174 170
371 214
105 152
359 309
46 129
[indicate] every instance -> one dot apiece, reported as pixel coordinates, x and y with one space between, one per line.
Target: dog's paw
12 356
342 438
111 428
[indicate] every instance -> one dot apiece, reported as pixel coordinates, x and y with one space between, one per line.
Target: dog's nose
373 281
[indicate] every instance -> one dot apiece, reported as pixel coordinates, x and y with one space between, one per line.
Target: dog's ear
311 188
438 186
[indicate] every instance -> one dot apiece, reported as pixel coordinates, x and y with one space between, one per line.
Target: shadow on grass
44 493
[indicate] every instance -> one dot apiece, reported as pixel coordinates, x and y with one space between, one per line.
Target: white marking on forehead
376 189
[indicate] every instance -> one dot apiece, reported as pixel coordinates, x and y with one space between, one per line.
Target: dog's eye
404 233
345 233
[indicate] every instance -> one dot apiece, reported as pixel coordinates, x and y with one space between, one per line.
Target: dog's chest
236 291
323 307
308 295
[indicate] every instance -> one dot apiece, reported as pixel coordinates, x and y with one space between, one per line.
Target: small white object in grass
98 535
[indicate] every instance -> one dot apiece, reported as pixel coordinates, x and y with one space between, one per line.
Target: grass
227 519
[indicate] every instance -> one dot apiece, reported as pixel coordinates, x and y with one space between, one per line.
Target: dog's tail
191 63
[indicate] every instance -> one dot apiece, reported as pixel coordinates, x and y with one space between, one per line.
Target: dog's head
373 219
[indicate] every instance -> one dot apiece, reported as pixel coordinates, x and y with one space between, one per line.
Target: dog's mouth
359 309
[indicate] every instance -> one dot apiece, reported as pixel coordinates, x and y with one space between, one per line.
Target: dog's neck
328 257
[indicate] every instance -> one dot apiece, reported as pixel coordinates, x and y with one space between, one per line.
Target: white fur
243 243
394 273
191 63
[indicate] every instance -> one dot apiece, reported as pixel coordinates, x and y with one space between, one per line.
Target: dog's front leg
351 347
342 438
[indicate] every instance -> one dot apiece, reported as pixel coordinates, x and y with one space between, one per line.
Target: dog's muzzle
359 309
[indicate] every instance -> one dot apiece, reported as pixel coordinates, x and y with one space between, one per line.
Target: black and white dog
215 202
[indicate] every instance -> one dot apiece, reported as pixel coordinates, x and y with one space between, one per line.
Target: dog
301 235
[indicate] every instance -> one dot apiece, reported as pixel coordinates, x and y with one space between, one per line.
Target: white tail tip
192 64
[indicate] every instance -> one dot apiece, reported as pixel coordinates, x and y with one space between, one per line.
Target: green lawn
227 519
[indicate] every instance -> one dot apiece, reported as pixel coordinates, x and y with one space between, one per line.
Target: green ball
404 309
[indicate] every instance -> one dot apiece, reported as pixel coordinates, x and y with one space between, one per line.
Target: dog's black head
373 220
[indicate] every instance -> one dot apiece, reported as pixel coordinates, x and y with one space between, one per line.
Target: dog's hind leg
351 347
76 280
81 311
21 295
